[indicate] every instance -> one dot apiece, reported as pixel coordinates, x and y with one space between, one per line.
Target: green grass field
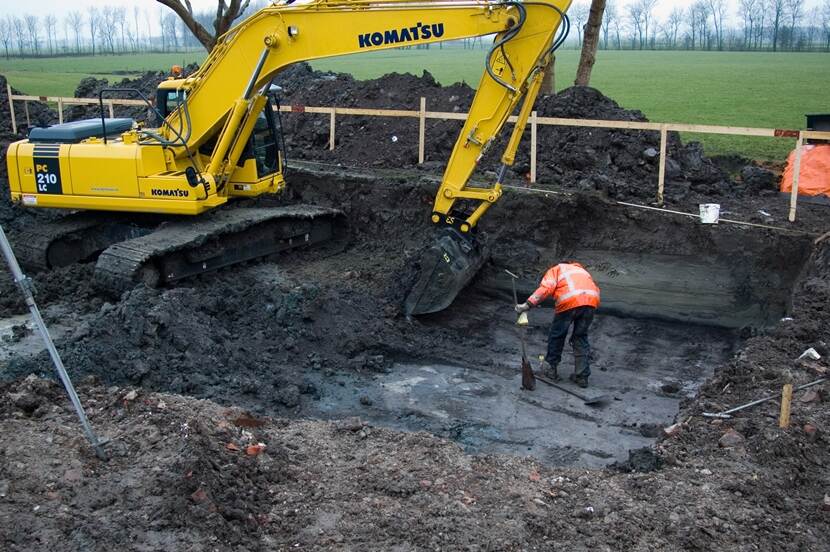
60 76
740 89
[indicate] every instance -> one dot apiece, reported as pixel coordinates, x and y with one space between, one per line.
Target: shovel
528 379
601 400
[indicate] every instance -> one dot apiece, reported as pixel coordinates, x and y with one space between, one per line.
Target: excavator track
186 248
75 238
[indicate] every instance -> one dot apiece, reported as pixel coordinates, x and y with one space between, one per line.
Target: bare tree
761 24
809 31
148 18
92 22
50 22
590 44
746 9
794 9
120 15
825 24
33 28
226 14
776 10
6 34
647 9
107 27
170 30
717 8
75 21
635 19
673 24
137 18
609 15
579 13
690 14
19 29
699 14
66 40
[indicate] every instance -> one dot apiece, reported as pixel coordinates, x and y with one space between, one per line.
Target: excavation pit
678 298
648 367
321 334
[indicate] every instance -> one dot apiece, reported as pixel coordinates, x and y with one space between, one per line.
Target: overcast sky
61 7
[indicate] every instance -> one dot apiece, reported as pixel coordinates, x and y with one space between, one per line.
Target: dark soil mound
39 115
147 83
621 164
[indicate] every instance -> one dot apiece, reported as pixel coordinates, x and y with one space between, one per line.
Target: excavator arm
525 39
223 96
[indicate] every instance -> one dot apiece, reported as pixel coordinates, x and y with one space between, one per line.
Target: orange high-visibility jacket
570 285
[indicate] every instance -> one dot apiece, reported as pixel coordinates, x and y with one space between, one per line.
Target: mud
239 335
320 333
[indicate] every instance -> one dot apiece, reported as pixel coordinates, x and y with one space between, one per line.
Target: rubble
731 439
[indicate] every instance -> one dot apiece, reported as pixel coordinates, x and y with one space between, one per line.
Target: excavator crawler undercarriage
183 249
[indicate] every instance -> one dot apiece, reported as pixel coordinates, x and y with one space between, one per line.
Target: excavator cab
262 160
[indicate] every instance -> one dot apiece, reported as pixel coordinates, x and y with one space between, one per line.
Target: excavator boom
205 149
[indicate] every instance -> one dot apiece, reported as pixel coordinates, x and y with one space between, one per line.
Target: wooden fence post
331 128
60 110
534 146
422 130
11 107
786 402
661 181
799 146
112 110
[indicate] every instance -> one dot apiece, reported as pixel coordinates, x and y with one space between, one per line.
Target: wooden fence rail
422 115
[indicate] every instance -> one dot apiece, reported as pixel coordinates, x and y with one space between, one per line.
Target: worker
576 298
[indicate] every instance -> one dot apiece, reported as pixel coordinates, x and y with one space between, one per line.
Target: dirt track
291 337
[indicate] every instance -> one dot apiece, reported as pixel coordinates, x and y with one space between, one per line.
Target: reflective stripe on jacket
570 285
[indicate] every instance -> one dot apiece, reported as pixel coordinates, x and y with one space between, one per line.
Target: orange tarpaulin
814 177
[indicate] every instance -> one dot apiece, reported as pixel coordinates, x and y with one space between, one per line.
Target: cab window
264 145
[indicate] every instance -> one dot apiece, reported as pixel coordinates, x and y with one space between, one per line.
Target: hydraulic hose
509 35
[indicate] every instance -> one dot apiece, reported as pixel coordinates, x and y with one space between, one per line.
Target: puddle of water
486 411
27 344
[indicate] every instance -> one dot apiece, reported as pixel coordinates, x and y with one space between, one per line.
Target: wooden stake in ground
786 402
590 43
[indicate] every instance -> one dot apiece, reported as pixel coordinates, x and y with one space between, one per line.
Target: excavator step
186 248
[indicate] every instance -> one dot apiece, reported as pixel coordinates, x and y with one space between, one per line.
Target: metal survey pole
26 289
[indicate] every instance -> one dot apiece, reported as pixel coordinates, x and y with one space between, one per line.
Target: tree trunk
549 80
202 35
589 44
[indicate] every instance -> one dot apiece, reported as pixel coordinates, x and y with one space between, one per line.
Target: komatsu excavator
215 139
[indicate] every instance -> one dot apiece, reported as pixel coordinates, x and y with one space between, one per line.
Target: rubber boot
582 370
548 371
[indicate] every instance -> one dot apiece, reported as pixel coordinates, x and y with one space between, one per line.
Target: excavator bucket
446 268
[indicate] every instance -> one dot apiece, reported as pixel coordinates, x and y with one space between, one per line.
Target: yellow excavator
214 138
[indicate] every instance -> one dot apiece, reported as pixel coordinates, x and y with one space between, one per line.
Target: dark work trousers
581 318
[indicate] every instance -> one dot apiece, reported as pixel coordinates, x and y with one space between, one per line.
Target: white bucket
709 213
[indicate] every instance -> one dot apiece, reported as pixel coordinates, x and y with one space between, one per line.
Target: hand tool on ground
528 378
25 288
728 413
601 400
